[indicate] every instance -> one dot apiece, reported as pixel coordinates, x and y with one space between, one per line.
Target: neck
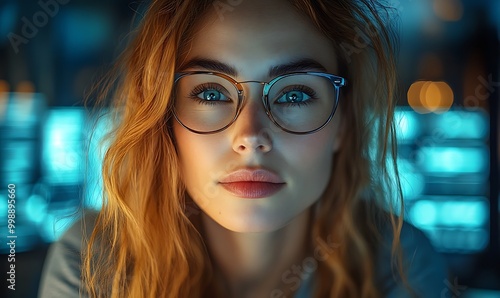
255 264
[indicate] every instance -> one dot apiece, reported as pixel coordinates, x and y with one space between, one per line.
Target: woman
242 164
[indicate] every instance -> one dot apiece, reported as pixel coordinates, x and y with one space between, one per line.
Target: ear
340 128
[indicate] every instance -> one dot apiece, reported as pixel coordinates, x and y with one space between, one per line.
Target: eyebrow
303 64
212 65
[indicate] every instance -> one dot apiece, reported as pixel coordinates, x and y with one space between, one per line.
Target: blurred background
52 50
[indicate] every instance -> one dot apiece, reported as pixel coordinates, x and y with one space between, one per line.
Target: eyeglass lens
298 103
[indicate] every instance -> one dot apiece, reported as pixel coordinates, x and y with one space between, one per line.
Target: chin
252 224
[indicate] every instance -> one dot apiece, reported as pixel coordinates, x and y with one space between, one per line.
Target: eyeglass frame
336 81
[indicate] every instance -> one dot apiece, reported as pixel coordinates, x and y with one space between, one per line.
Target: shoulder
425 269
62 269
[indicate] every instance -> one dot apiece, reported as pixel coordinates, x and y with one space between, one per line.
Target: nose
251 130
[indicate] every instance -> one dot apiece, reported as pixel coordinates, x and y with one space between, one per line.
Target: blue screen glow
446 160
62 146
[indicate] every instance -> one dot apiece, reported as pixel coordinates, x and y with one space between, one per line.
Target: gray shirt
426 270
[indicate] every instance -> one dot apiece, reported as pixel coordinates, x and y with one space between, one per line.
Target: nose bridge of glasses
256 91
240 84
252 103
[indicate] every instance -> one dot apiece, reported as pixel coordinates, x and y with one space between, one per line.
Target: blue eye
293 97
212 95
296 95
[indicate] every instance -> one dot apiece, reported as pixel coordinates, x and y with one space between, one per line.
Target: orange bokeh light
413 96
4 86
427 96
25 87
448 10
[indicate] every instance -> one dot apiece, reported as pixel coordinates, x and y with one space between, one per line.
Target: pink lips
247 183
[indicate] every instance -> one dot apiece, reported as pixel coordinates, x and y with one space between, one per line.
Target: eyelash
207 86
310 92
204 87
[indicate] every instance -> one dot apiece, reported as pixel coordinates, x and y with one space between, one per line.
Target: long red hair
145 243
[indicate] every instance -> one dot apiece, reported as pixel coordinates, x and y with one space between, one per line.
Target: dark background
448 119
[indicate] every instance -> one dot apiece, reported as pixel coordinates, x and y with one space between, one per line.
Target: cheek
198 155
314 155
311 160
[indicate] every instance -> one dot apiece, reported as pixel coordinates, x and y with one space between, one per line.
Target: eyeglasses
298 103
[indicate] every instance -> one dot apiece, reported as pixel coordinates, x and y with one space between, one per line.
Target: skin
254 241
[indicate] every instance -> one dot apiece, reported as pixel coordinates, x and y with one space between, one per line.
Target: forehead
257 35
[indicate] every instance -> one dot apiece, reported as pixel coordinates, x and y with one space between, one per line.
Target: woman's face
254 37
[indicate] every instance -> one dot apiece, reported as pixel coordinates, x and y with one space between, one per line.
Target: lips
247 183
